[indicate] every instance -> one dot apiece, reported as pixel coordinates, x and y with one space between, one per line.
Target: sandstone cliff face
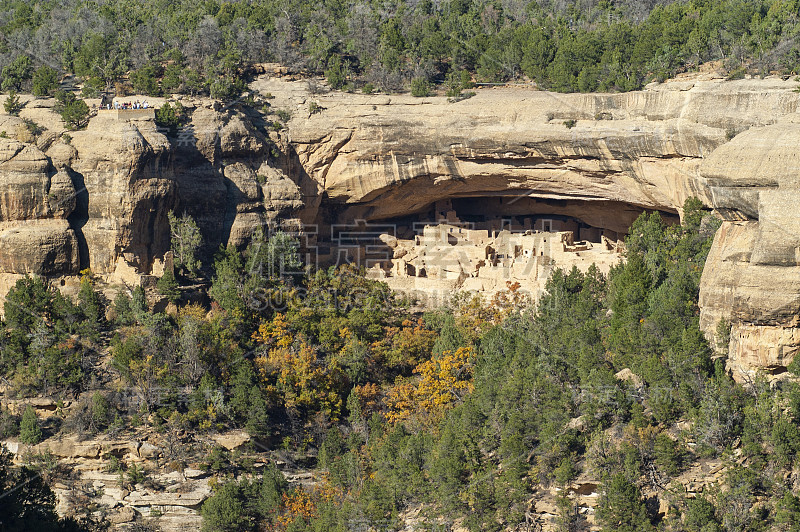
101 200
733 144
126 189
751 277
34 203
231 176
385 156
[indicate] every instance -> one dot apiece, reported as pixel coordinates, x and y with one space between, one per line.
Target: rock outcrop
35 202
751 278
231 176
125 191
733 144
169 499
387 156
101 199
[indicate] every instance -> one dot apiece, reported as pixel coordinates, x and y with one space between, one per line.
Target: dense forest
209 47
464 412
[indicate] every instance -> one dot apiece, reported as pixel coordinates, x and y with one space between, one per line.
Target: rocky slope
95 472
99 198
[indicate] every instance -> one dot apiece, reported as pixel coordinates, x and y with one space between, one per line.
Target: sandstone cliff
730 143
99 199
751 277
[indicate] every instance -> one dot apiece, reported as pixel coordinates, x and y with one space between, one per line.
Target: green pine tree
168 286
621 507
45 81
29 431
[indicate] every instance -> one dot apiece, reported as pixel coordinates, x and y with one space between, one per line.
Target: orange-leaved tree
475 316
300 506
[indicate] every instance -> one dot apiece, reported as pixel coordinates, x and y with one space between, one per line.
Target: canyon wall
99 197
751 278
730 143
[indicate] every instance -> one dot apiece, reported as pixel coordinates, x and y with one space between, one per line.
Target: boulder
123 515
71 448
231 440
629 376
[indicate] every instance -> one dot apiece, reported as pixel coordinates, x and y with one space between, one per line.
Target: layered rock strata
100 198
35 201
751 277
732 144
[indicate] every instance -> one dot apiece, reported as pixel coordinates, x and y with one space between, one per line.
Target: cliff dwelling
484 244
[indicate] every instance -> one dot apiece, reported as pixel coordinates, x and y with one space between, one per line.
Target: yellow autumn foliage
443 381
274 332
294 370
405 346
475 315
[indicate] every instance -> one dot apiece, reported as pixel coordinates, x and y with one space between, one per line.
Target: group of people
129 105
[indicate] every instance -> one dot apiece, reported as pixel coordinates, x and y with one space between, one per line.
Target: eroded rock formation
35 201
100 199
733 144
751 278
